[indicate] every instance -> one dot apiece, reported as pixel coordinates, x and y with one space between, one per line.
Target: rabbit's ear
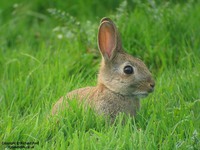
108 40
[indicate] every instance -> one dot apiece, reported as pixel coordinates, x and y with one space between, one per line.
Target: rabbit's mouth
141 94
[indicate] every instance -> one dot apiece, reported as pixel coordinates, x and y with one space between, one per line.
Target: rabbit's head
119 71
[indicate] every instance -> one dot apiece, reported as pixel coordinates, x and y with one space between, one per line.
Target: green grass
49 48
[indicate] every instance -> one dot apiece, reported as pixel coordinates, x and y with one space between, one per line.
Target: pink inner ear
107 38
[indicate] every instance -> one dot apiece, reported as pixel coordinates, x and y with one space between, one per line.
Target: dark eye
128 70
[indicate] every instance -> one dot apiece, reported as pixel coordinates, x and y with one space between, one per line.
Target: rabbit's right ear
108 39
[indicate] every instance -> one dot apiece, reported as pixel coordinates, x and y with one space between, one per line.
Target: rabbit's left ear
108 40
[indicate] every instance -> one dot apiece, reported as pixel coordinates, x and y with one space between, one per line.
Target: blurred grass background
48 48
152 30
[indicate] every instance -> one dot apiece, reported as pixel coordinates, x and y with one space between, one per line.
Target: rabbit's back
79 94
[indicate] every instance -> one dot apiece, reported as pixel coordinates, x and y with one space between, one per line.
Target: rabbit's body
103 101
122 79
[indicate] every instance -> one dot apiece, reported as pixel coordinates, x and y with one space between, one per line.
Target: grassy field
48 48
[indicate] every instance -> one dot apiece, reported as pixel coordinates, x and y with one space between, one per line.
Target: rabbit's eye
128 70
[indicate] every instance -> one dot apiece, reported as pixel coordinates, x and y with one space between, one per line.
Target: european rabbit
122 79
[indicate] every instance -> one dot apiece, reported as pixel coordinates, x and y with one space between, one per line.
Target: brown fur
116 91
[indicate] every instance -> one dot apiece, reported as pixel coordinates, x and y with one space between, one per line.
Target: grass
49 48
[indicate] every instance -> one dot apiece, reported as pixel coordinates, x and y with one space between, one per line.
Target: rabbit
122 79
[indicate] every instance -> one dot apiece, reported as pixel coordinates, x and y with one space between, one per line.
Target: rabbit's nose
151 86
